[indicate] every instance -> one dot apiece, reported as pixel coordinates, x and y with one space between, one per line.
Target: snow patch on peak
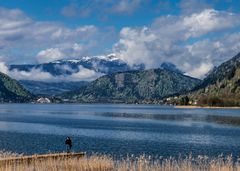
112 55
73 60
86 58
101 57
110 58
55 62
67 60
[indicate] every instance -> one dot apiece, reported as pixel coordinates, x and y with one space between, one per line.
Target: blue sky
195 35
53 11
142 14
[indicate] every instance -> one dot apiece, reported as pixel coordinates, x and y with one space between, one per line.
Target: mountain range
221 87
134 86
130 84
100 64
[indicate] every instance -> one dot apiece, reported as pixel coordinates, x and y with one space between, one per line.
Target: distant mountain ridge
12 91
133 86
100 64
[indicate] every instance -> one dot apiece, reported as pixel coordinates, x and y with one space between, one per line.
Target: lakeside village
175 100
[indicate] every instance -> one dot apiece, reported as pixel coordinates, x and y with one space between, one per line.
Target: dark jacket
68 142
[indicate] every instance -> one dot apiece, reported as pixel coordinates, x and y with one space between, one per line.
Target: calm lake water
117 129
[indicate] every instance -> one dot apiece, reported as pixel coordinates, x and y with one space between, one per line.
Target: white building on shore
43 100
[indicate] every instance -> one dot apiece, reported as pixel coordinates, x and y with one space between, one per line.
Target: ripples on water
120 129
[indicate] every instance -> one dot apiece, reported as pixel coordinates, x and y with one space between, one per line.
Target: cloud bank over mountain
180 39
83 74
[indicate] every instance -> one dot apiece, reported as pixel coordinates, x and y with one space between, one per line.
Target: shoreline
174 106
205 107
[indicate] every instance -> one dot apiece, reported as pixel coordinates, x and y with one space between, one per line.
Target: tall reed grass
142 163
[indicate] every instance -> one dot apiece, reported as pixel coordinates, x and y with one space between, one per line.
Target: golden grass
107 163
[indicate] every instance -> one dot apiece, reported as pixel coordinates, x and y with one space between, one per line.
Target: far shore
207 107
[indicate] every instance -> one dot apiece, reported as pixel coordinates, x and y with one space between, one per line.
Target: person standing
68 143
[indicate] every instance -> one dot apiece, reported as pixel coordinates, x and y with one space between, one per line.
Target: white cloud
194 25
22 36
34 74
132 45
194 42
63 51
49 55
3 68
84 74
207 21
12 20
168 39
199 70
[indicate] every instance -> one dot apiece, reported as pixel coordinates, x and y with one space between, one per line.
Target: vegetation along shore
207 107
108 163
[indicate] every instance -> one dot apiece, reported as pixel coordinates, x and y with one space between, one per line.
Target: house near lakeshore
43 100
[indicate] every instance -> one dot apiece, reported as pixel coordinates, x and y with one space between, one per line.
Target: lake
119 129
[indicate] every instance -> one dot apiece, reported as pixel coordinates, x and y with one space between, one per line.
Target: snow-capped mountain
69 74
100 64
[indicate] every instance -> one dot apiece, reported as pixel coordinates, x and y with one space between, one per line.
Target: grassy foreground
107 163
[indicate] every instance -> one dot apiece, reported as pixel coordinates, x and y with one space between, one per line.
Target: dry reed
107 163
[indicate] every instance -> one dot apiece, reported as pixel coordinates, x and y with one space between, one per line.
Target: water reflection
120 128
